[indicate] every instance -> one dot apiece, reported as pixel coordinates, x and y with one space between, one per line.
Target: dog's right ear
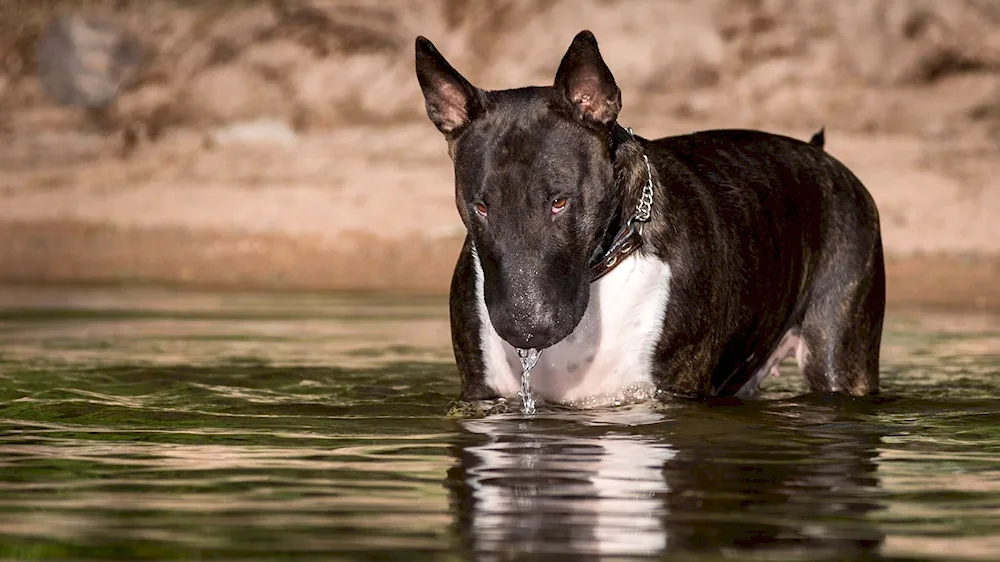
451 101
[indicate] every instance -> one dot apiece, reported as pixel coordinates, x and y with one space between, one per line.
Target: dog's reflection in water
641 482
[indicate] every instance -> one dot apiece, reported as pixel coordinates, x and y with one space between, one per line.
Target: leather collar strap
628 240
629 237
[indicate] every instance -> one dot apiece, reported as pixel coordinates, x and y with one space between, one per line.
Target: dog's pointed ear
584 84
451 101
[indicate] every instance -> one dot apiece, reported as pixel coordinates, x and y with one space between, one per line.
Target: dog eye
558 205
480 208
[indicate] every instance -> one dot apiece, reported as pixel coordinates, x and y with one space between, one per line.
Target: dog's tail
819 139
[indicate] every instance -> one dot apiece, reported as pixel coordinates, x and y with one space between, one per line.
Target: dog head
534 184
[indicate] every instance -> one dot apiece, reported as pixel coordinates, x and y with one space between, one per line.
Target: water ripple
147 424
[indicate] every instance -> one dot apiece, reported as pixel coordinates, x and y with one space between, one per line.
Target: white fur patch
609 354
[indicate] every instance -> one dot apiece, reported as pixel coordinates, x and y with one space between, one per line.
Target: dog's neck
619 238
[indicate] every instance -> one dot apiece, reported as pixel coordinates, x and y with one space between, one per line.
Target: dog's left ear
584 84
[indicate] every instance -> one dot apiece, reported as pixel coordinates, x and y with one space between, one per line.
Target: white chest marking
608 354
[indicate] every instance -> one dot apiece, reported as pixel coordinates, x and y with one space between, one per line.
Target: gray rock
86 61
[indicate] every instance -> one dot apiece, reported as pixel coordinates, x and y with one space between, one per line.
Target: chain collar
644 207
629 238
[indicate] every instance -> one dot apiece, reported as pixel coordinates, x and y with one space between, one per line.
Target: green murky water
141 424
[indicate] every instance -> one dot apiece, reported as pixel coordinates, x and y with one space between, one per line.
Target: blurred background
283 145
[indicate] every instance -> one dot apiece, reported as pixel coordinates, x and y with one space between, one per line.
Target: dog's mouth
535 336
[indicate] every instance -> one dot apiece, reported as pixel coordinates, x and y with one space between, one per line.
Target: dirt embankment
283 144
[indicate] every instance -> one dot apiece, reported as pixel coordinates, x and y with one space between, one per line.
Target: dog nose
526 321
537 336
539 340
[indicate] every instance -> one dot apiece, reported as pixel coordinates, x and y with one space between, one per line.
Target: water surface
143 424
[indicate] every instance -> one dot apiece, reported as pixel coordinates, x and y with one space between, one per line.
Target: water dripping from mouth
528 359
